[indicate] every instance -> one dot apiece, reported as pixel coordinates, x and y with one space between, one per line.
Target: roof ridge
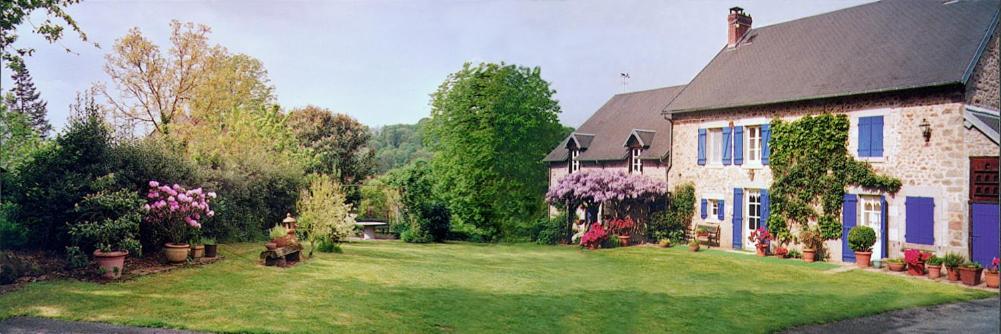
648 90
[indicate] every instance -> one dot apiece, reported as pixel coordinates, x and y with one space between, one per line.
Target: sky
379 61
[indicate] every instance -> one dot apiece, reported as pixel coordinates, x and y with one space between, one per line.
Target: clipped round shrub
861 238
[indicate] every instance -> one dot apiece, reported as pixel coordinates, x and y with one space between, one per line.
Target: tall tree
14 12
398 144
340 143
26 100
491 126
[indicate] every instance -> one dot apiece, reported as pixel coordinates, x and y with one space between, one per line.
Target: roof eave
984 42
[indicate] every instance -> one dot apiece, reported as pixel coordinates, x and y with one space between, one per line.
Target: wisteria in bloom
599 186
176 209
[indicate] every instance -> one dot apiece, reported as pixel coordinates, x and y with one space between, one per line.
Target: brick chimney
738 23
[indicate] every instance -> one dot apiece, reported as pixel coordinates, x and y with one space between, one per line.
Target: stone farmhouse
918 81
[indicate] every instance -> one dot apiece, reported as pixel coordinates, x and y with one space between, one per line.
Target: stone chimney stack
738 24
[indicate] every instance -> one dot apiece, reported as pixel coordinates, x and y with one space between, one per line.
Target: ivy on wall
811 167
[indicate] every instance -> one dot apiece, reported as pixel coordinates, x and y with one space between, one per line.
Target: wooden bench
706 233
282 256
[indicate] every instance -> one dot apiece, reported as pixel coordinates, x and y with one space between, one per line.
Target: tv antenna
625 80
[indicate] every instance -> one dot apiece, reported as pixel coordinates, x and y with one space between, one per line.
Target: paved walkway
30 325
979 316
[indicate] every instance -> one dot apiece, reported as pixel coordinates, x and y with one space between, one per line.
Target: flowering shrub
621 226
597 186
781 251
760 236
994 265
916 257
175 210
594 236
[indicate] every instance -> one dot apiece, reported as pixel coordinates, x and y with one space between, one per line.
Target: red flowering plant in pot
991 277
175 212
621 227
760 238
594 236
916 261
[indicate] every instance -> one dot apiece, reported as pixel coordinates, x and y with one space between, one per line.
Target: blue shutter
876 133
883 227
766 134
702 148
726 146
764 208
920 220
719 214
738 219
864 137
738 145
849 212
704 215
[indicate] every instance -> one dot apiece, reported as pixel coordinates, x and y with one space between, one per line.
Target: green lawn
473 288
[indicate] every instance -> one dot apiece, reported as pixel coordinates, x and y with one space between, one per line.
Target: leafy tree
16 11
491 125
18 141
426 217
324 216
399 144
340 144
25 99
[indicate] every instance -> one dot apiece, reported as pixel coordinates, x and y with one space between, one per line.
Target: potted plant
664 243
621 228
593 237
197 248
970 273
794 254
110 225
760 238
279 235
781 252
693 245
991 277
951 261
916 261
211 248
895 264
812 240
934 266
860 239
176 211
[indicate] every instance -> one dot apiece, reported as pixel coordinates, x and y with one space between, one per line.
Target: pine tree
26 100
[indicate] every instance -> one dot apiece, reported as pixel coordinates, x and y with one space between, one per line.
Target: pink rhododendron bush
175 211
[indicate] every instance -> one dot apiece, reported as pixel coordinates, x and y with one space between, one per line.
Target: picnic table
368 228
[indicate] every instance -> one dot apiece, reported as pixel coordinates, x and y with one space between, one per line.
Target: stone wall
937 169
982 89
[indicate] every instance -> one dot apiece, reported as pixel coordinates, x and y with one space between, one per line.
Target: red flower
915 257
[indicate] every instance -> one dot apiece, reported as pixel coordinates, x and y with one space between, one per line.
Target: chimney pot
738 24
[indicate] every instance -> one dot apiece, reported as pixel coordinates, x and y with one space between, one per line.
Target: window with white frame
714 145
635 164
712 209
753 144
753 210
574 163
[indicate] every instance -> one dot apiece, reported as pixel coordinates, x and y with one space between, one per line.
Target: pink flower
212 194
153 194
210 213
146 207
153 184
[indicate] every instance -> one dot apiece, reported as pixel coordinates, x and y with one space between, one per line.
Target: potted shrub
211 248
934 266
991 277
197 248
812 240
760 238
781 252
621 228
916 261
970 273
895 264
794 254
664 243
110 226
279 235
176 211
860 239
951 261
693 245
593 237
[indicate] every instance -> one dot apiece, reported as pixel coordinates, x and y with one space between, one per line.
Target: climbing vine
811 168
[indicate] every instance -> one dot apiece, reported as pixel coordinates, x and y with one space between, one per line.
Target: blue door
984 234
849 212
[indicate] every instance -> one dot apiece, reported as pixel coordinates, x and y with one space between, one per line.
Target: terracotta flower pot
952 273
693 248
934 272
762 249
862 259
809 255
197 251
111 263
281 242
992 279
916 269
176 253
271 246
970 276
896 266
211 250
624 240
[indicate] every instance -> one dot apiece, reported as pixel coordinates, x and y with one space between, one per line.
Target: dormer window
635 163
574 163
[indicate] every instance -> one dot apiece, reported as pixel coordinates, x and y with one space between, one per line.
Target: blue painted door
849 213
984 235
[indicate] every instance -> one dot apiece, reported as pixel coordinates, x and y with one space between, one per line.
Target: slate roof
877 47
986 120
603 136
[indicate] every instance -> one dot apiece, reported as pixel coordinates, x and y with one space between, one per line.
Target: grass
474 288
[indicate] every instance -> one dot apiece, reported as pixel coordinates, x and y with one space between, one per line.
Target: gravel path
31 325
979 316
